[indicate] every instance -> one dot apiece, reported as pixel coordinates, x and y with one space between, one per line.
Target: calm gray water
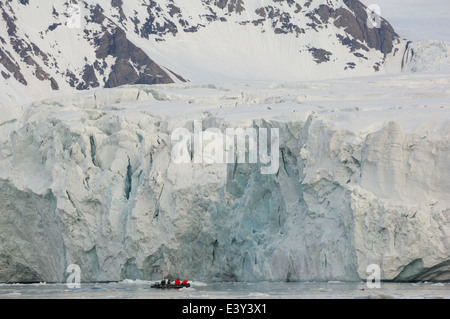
199 290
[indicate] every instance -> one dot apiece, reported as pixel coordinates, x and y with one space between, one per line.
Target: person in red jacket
177 282
184 282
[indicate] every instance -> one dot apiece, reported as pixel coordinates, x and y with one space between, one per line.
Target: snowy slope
363 179
251 46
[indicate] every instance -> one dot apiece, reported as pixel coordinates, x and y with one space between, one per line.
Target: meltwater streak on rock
92 184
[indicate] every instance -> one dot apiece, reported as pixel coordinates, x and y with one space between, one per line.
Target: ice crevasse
89 180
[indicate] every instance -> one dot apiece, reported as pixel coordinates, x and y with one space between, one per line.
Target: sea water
265 290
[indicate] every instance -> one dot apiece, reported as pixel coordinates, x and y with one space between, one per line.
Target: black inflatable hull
159 286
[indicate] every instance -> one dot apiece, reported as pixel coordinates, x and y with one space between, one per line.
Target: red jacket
177 282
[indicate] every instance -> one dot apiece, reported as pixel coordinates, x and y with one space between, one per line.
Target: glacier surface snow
364 178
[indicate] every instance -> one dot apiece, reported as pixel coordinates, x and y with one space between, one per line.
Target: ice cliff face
89 180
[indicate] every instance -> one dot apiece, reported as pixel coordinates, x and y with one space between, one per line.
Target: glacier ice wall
89 180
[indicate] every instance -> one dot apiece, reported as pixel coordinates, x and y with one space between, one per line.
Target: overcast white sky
417 20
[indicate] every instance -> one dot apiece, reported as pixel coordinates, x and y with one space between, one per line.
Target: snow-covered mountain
87 176
55 47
